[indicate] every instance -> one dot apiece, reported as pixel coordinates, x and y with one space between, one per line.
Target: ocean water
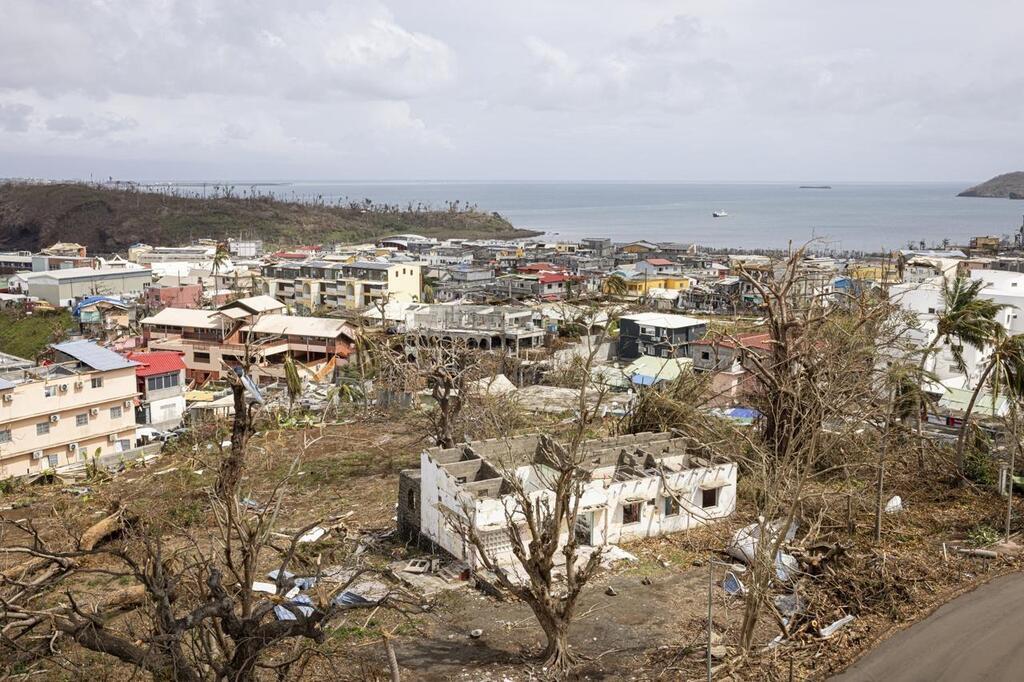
848 217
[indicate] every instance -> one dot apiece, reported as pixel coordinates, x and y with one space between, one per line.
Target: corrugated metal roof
6 385
88 353
154 363
295 325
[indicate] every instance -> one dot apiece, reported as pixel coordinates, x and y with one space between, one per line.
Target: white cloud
14 117
651 89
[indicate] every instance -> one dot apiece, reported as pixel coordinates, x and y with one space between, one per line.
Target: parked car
145 435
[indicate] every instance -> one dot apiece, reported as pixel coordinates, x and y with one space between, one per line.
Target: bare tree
819 371
190 610
541 522
446 367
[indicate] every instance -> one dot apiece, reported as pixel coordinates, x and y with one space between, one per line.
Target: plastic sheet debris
250 503
790 604
349 598
300 603
895 504
613 554
743 545
786 566
835 627
269 588
313 534
733 585
273 575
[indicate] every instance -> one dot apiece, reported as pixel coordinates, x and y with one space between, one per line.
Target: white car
147 434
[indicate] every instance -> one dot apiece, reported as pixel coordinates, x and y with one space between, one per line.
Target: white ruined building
639 486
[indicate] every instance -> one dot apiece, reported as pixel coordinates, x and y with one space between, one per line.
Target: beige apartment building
313 285
58 414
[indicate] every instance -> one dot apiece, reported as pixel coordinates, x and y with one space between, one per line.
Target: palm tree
615 285
966 318
220 258
1004 371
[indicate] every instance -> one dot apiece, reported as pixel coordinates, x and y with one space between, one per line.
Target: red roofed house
726 357
535 268
658 266
160 378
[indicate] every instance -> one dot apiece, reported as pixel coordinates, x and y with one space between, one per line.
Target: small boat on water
719 214
815 186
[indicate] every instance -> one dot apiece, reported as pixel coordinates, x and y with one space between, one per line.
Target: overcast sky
634 90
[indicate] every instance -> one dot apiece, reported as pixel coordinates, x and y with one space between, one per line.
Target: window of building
412 499
162 381
115 412
97 382
42 428
201 357
647 331
705 355
709 498
631 513
82 419
5 436
671 507
49 391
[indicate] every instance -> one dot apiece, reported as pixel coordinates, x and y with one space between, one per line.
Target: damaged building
638 486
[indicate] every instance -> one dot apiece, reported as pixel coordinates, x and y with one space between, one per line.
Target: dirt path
977 636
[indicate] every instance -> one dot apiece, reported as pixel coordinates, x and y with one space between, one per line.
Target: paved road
977 636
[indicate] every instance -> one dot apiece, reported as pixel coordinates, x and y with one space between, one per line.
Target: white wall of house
603 504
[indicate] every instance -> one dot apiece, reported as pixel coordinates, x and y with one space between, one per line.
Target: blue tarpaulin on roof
89 300
742 413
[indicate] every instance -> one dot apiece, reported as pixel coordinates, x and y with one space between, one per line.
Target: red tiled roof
659 261
538 267
551 279
153 363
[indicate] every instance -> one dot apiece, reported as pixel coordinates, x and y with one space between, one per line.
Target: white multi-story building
80 405
639 486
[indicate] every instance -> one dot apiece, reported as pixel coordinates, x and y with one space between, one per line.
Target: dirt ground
652 628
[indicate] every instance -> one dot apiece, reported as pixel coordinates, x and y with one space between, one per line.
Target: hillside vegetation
1005 186
27 335
107 219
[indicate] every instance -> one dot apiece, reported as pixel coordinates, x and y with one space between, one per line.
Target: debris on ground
895 504
833 628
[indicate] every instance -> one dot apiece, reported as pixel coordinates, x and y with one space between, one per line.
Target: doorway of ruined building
585 528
